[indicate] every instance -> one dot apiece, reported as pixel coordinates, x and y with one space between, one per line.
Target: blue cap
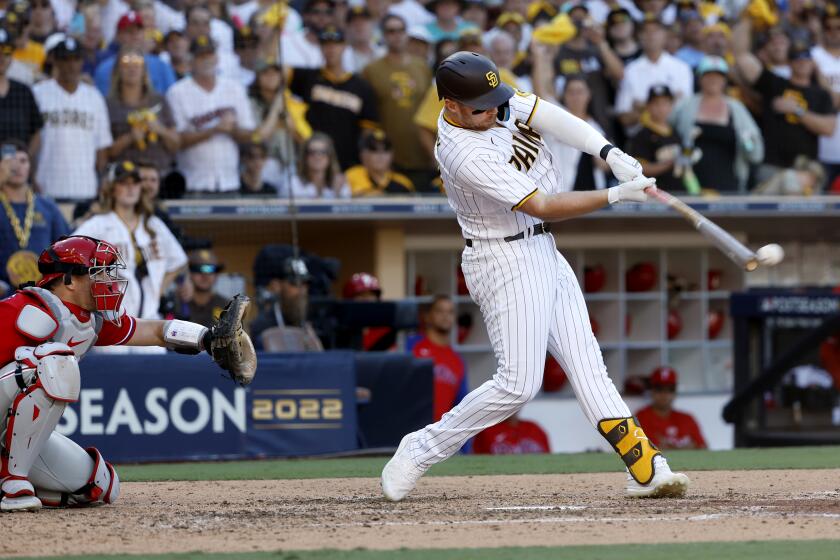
712 64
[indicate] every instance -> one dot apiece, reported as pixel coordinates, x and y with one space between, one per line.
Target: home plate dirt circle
443 512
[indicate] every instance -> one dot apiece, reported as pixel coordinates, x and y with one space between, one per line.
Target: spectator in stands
375 177
74 147
514 436
717 40
827 58
656 145
28 54
691 29
620 31
419 44
410 10
795 111
281 121
362 48
773 48
141 122
668 428
588 53
153 257
447 24
91 40
196 300
287 284
200 23
212 114
150 183
728 139
302 49
502 51
20 118
654 66
474 12
436 344
580 171
341 105
130 35
319 175
245 46
253 156
29 222
399 81
41 21
428 112
177 52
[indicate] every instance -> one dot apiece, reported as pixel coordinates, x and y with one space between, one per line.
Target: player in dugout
48 328
668 428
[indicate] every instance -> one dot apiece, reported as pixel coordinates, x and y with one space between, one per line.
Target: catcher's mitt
229 344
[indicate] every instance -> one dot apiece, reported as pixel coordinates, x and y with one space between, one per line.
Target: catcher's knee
629 440
92 481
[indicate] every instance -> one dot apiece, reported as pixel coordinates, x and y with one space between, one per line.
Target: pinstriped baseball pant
531 301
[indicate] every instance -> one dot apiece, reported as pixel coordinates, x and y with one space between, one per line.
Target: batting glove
624 167
631 191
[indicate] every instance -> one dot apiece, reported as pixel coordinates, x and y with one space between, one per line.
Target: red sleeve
112 335
694 432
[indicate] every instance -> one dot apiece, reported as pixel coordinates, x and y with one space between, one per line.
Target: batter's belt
538 229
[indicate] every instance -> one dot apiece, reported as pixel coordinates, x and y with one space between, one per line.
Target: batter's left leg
573 344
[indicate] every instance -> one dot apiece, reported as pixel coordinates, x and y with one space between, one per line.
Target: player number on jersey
526 147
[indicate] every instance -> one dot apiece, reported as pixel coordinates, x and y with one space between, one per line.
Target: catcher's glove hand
229 344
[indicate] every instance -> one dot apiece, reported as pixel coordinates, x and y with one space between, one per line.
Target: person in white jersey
500 181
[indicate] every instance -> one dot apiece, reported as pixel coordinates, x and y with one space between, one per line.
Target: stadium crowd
336 99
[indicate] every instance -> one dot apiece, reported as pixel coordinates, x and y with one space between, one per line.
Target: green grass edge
801 550
827 457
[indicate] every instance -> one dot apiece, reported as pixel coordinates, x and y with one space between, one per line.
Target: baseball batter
500 181
49 327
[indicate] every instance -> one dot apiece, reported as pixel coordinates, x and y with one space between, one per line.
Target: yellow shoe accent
631 443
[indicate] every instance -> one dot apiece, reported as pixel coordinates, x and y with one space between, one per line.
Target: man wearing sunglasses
201 304
668 428
501 182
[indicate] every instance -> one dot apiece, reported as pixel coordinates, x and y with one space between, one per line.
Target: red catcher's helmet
641 277
663 376
715 320
360 283
554 377
79 254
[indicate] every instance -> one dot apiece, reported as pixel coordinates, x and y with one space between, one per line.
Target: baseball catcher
47 328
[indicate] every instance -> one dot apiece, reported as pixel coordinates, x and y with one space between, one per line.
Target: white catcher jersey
489 174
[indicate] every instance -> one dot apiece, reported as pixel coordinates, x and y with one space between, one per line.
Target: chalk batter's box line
297 392
328 426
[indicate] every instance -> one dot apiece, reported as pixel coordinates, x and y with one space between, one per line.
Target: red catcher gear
594 278
360 283
663 376
100 260
641 277
674 324
715 321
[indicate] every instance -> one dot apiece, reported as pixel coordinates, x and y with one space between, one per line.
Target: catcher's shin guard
67 475
630 442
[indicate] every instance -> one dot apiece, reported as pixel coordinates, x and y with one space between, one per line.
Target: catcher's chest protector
79 336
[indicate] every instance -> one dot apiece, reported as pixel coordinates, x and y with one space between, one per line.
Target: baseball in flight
770 255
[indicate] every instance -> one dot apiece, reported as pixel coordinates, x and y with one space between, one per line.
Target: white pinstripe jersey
489 174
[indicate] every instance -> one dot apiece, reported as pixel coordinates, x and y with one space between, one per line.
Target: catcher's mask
101 261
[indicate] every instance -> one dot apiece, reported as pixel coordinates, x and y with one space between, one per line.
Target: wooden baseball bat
728 245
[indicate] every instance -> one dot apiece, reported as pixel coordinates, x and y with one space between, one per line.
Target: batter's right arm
561 206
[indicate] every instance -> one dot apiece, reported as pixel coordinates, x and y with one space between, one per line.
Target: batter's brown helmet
471 79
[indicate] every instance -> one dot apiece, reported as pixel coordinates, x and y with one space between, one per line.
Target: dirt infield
444 512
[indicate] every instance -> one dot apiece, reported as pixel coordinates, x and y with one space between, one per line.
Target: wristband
605 151
799 111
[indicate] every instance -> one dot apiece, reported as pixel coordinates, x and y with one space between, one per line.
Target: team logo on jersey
492 78
526 147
